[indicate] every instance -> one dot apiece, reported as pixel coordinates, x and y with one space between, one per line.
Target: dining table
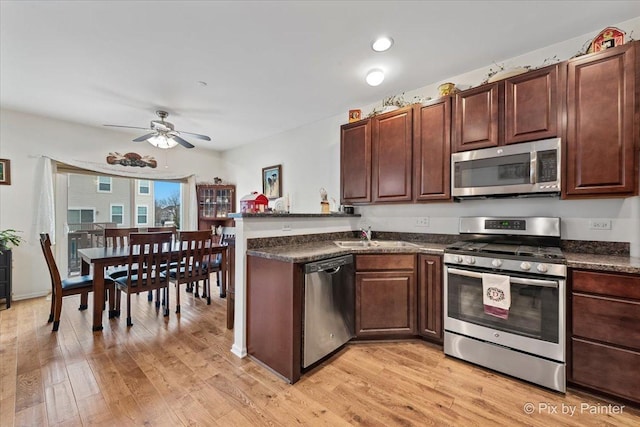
101 258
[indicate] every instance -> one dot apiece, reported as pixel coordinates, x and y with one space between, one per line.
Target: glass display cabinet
215 203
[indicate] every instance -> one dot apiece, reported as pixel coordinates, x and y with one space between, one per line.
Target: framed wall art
5 172
272 181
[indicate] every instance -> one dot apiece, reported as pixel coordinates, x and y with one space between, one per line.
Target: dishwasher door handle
333 270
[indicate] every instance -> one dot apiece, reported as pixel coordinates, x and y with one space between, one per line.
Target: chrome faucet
366 234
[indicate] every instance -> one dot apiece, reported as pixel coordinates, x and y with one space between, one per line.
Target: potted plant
9 238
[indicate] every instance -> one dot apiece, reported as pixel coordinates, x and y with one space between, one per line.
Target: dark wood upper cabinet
602 127
392 156
355 162
531 104
432 151
477 117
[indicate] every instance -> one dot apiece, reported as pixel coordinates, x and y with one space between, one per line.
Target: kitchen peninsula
251 226
275 247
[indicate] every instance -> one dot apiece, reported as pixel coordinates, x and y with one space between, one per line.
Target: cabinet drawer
3 290
616 285
385 262
604 319
606 368
4 274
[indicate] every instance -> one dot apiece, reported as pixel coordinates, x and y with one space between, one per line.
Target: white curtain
45 218
192 203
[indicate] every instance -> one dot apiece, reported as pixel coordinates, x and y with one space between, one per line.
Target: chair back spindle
118 237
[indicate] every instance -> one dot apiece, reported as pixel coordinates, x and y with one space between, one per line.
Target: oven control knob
525 265
470 260
542 268
458 259
496 263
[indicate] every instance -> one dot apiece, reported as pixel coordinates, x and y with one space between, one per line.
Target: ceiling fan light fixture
162 141
375 77
382 44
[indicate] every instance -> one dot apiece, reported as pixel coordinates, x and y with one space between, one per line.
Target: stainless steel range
505 297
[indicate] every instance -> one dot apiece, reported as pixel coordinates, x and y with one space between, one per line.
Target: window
80 215
104 184
144 187
117 214
142 214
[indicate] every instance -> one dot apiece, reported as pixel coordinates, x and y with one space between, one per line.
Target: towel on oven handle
496 295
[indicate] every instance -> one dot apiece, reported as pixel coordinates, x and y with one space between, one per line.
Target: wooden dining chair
174 234
195 250
213 263
172 229
117 238
148 264
71 286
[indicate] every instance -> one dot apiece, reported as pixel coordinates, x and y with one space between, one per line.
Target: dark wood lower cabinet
5 276
604 343
385 296
430 297
274 315
606 368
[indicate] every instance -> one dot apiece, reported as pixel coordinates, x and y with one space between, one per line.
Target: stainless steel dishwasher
329 307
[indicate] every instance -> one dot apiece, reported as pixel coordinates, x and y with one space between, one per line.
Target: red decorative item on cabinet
609 37
254 203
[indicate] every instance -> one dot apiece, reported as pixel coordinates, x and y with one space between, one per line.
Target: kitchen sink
394 244
352 243
349 244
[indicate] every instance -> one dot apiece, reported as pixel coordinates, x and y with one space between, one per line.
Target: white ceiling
270 66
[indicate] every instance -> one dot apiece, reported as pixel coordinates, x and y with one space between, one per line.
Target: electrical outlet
422 222
286 227
600 224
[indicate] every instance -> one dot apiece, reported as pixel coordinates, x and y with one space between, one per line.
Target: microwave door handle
517 280
533 172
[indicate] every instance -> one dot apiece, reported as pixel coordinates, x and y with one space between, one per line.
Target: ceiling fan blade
183 142
145 137
127 127
196 135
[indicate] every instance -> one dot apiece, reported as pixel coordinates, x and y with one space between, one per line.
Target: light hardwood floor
180 371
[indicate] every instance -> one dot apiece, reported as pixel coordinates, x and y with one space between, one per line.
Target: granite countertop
309 252
616 264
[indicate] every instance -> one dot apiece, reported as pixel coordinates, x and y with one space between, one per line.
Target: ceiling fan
163 134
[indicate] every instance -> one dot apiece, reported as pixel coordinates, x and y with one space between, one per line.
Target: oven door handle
518 280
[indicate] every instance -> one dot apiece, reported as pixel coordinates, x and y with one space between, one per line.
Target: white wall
310 156
24 138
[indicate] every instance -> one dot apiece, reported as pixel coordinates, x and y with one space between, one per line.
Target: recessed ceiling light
382 43
375 77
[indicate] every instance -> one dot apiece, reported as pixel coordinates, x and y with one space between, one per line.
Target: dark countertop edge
292 215
322 250
611 263
314 252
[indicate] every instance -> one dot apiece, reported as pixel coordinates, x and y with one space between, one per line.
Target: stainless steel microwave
525 169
